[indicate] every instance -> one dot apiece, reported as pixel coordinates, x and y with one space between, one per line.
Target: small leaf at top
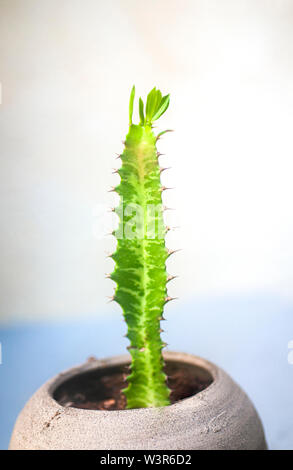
162 108
141 113
131 100
149 105
157 102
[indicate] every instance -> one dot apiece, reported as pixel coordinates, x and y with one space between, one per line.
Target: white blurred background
67 68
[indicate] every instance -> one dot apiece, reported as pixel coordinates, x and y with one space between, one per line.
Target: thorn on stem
171 252
168 299
162 133
164 169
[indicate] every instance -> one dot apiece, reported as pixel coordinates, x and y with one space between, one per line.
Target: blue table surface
246 335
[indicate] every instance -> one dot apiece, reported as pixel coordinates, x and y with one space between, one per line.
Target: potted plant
166 401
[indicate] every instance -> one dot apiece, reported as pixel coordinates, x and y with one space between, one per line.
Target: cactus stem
140 270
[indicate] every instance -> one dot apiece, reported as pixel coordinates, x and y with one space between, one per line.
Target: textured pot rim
219 417
121 360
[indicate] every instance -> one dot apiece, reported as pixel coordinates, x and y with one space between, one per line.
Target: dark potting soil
100 389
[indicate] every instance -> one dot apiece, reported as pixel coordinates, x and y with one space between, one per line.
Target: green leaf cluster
156 105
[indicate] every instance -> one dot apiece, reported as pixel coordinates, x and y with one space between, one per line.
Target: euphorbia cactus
141 254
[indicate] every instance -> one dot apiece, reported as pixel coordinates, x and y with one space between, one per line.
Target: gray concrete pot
219 417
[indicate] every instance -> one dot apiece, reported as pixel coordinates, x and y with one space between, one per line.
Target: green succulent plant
140 257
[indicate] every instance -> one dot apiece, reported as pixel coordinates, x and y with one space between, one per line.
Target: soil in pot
100 389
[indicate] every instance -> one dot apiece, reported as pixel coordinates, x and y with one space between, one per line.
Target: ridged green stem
140 257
